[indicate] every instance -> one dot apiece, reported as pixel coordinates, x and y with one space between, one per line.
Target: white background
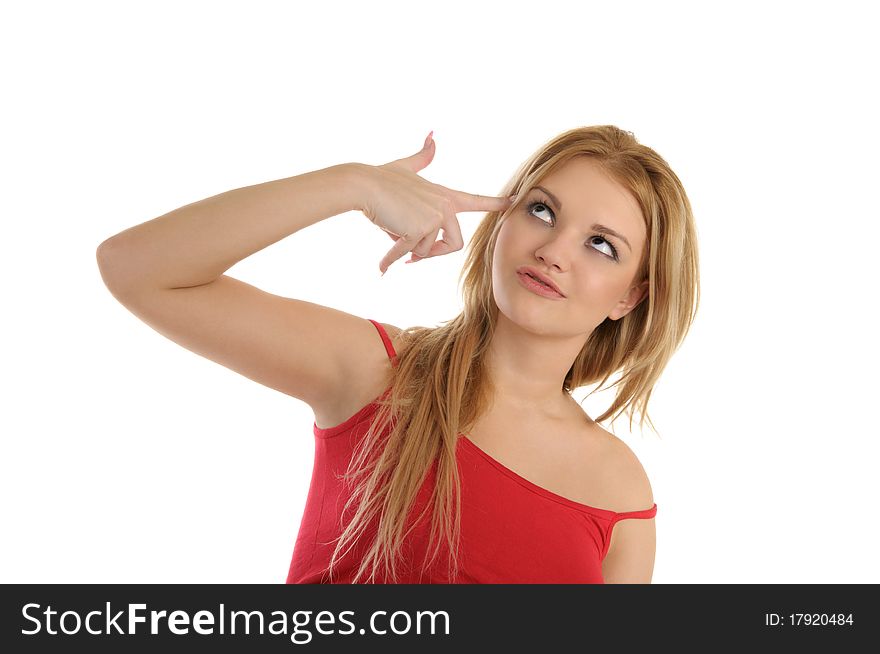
126 458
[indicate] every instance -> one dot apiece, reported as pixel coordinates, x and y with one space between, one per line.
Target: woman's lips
541 277
537 287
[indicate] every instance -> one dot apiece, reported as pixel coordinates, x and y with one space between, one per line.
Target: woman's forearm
196 243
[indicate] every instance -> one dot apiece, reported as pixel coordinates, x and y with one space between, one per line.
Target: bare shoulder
632 547
632 488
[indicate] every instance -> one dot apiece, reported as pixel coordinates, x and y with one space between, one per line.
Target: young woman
453 454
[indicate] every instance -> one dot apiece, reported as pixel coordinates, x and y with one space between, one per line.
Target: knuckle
446 204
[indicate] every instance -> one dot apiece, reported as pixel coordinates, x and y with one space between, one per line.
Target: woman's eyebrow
596 226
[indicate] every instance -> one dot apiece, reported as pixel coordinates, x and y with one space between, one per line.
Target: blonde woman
453 454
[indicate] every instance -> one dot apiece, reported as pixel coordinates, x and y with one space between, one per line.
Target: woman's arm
169 273
195 244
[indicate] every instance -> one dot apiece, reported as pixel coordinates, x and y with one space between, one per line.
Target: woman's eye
609 252
540 204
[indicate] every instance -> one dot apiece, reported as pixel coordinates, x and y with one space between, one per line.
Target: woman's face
554 230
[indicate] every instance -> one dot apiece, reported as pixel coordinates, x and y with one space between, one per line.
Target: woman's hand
412 210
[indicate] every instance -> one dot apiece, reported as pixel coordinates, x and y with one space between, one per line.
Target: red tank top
512 530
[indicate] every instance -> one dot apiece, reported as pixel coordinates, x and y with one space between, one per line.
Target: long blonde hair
439 386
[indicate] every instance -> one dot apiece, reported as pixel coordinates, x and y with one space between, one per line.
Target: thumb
421 158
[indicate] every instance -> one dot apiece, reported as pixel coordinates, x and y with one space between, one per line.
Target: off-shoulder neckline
540 490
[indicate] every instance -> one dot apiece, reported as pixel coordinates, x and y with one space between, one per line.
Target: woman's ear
630 301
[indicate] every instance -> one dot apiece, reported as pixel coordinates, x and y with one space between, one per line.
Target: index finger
472 202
